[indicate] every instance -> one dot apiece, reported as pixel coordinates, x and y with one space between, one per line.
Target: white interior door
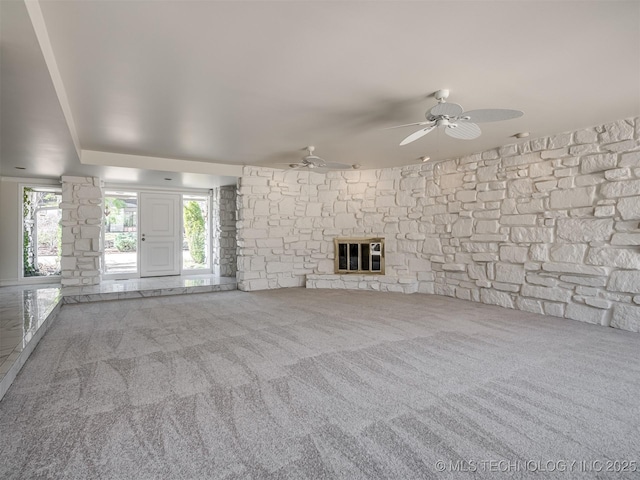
160 244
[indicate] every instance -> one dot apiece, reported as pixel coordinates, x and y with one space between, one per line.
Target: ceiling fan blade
337 166
416 135
492 115
309 168
409 125
448 109
464 131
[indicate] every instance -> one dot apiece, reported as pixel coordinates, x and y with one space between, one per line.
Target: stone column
224 243
81 230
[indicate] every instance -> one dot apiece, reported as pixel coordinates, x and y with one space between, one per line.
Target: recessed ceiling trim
92 157
125 187
32 180
37 20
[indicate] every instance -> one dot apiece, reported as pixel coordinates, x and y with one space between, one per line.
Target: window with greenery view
121 232
195 248
41 231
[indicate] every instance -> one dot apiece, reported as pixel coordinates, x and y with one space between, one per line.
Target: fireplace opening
359 255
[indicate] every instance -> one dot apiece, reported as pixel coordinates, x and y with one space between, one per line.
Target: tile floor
26 311
148 287
22 313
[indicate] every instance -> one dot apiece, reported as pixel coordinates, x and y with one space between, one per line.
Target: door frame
168 238
182 191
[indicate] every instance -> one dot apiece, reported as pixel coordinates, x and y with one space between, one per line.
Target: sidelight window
120 233
196 227
41 231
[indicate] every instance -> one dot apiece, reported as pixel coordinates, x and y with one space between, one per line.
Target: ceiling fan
456 122
317 164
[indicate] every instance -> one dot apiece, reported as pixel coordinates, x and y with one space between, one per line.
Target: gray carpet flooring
296 383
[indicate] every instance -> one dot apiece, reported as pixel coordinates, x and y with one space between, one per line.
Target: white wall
549 225
9 249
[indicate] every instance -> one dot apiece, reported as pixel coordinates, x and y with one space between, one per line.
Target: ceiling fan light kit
455 121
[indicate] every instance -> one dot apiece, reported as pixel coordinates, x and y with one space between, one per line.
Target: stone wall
377 283
549 225
81 230
224 230
274 236
288 220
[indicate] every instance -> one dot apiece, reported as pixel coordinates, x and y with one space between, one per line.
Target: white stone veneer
224 233
81 230
549 226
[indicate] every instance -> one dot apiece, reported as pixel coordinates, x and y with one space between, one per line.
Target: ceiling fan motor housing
441 95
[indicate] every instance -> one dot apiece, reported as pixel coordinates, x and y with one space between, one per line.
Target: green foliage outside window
113 208
126 242
35 207
28 260
29 268
194 228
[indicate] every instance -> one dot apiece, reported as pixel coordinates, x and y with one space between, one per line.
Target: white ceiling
255 82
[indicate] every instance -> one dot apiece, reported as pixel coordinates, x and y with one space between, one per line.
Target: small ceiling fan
317 164
456 122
